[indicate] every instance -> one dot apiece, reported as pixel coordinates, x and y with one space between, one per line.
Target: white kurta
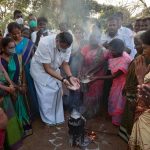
48 88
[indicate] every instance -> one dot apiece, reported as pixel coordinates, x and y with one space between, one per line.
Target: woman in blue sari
25 50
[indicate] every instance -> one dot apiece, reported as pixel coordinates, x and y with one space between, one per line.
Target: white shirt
106 38
129 36
125 31
34 35
47 53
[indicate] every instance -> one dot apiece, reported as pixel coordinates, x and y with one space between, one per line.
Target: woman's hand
144 93
94 78
141 69
11 89
23 89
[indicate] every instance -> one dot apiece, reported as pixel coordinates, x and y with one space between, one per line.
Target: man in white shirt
52 53
42 30
113 32
127 33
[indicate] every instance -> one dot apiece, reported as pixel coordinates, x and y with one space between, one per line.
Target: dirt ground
56 138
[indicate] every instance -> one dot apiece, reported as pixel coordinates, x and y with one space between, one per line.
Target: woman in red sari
93 57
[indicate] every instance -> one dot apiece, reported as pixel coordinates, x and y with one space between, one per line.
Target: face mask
12 51
19 20
32 24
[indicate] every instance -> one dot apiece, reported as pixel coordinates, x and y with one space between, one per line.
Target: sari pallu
13 68
92 99
26 49
139 139
14 130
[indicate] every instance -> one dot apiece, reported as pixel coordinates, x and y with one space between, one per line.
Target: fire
92 135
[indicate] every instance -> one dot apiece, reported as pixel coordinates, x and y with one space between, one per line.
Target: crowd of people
41 74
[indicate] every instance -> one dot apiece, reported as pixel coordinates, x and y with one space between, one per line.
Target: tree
7 8
70 11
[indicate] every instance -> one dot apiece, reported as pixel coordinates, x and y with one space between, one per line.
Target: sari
14 71
2 138
139 139
25 49
14 130
129 92
116 102
92 98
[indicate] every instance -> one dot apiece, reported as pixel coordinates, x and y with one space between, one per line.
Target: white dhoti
50 101
49 94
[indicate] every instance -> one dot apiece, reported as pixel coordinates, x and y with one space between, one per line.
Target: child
118 65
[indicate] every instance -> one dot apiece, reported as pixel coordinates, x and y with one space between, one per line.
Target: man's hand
74 81
66 82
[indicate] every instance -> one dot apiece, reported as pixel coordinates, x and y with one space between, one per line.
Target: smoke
78 13
74 11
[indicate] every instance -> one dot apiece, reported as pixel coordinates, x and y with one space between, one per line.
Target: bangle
62 80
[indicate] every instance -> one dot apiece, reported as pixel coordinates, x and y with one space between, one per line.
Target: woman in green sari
14 130
10 62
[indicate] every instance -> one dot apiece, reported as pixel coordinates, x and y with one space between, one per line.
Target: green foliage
7 8
70 11
107 11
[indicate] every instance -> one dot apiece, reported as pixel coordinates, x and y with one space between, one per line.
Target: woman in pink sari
118 65
93 63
